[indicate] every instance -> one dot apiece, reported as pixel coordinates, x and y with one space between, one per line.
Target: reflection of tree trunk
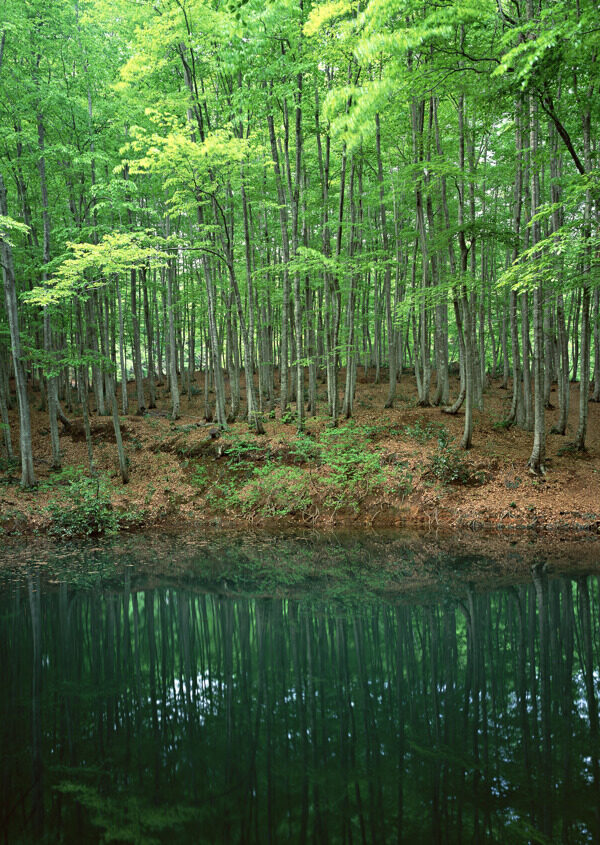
149 608
475 649
370 734
299 676
312 727
520 645
137 668
541 589
450 700
437 763
37 789
400 697
567 638
67 666
589 665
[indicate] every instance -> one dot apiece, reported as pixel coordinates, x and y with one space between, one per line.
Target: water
159 703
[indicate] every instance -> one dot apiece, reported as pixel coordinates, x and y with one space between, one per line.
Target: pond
288 690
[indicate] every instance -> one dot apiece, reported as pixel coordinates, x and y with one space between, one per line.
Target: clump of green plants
199 477
343 451
62 478
403 481
305 450
239 449
423 432
275 491
88 511
448 465
223 496
271 490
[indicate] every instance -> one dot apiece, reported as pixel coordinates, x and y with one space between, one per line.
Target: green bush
199 477
305 450
275 491
343 450
448 465
403 480
88 511
238 450
422 432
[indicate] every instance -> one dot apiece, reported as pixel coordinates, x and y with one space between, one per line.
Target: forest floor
384 468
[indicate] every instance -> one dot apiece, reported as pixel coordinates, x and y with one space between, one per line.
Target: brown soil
163 455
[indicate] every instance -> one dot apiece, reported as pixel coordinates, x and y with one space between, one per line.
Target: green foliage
89 511
349 471
238 449
126 817
199 477
403 481
305 450
448 464
272 490
423 432
343 451
275 491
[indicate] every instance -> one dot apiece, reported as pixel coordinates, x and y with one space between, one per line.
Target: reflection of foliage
130 819
196 716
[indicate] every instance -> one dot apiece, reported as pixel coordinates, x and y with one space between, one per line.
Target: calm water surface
140 707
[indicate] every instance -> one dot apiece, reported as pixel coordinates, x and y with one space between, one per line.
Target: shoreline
347 565
398 468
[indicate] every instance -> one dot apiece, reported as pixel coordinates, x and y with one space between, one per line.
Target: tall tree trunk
48 337
387 279
538 454
173 383
10 298
136 350
4 419
285 245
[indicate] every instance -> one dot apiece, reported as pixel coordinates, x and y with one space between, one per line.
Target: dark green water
134 708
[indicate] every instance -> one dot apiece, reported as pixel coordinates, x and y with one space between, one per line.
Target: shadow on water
140 705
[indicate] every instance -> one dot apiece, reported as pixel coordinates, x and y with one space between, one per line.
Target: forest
245 213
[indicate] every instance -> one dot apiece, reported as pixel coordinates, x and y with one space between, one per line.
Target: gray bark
10 298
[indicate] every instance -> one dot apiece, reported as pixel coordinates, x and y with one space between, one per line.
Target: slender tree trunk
150 341
467 437
584 380
538 454
4 419
48 336
173 384
285 244
10 299
387 279
136 348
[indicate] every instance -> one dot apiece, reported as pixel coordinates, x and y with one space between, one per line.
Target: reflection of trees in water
161 712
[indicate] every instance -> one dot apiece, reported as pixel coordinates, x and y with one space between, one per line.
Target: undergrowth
85 509
337 471
448 465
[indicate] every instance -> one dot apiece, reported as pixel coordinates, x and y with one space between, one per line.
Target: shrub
349 461
199 476
238 450
304 450
89 511
275 491
423 432
448 465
